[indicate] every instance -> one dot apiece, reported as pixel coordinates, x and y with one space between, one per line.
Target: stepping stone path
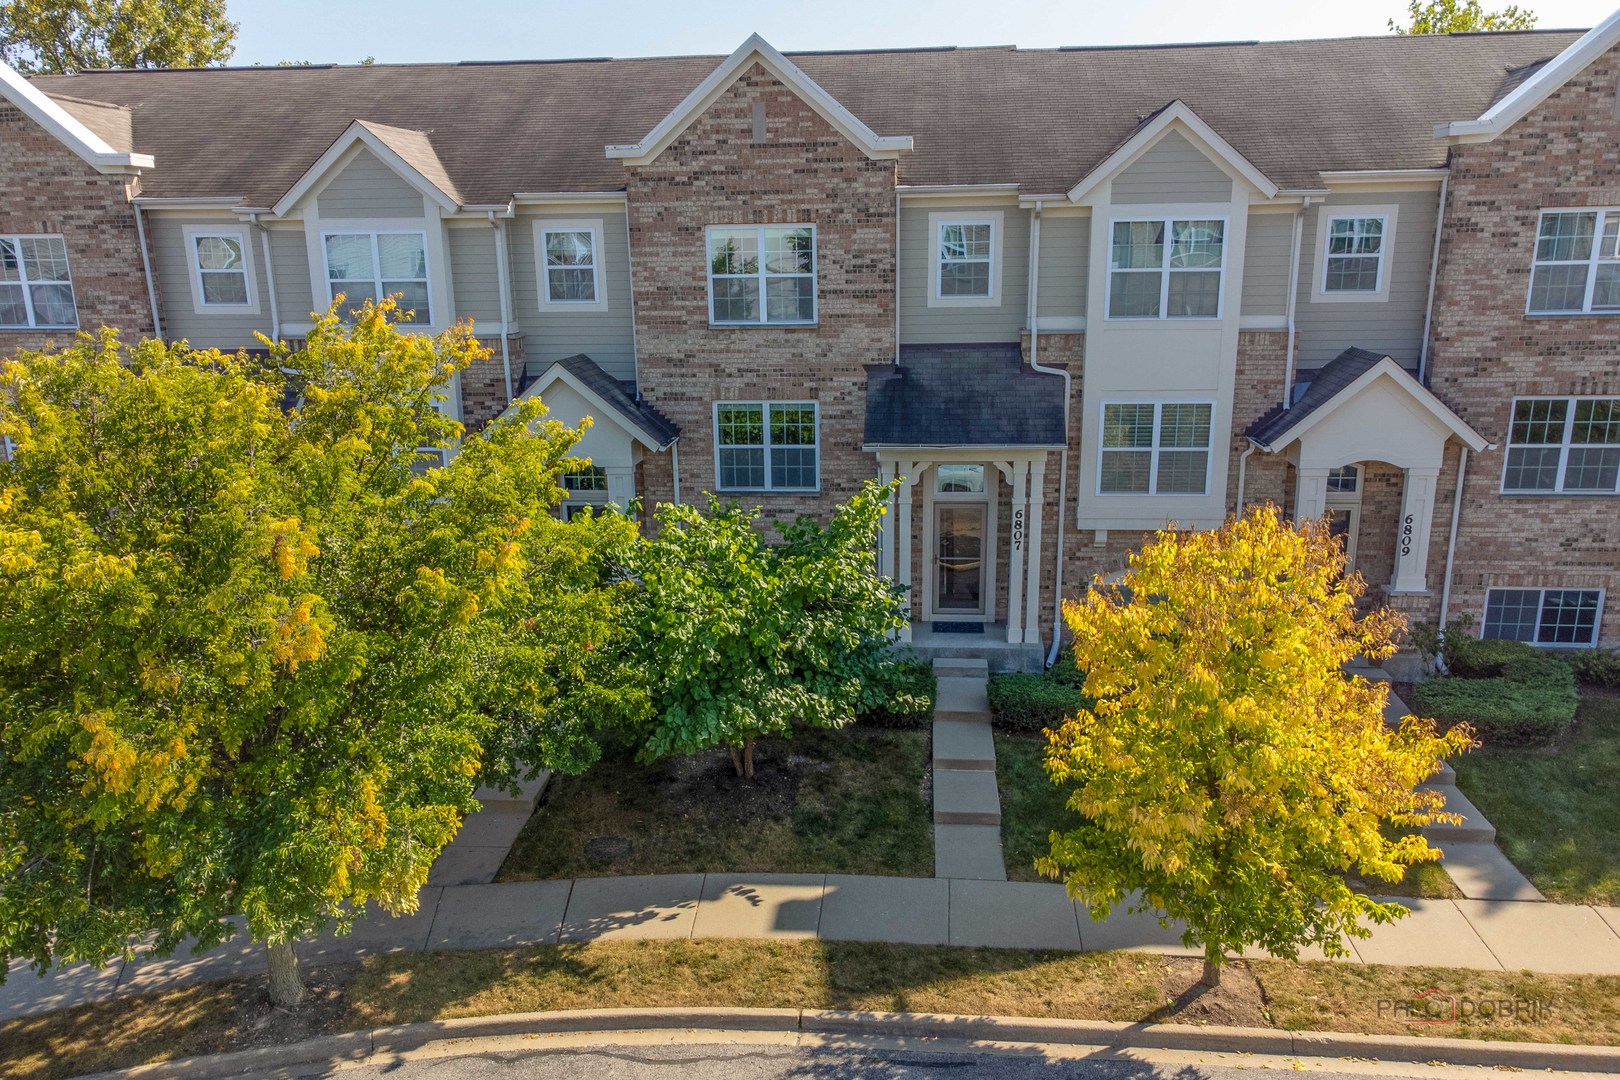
967 806
1471 858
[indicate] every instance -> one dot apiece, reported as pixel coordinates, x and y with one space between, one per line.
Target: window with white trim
1155 448
1544 616
767 446
36 287
570 256
1576 267
1354 260
762 275
1168 268
371 265
1345 480
1565 446
964 266
219 261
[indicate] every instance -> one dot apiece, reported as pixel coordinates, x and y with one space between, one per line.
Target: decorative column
1018 473
1310 493
1412 531
1032 602
910 473
887 471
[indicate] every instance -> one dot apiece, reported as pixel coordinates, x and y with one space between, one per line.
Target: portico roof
962 396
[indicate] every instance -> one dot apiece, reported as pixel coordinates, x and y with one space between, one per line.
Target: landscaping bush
908 699
1509 692
1594 667
1032 702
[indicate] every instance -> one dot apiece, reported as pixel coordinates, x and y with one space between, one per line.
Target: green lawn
1557 810
847 802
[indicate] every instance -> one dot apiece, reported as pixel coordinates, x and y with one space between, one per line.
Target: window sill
1572 315
1559 494
763 325
1155 320
766 491
34 329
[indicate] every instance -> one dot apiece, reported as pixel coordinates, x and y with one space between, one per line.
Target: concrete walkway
967 804
475 856
1494 935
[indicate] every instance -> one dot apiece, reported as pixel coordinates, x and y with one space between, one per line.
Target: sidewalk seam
1472 929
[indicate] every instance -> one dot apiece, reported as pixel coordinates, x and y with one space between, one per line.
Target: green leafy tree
1229 769
740 636
256 662
57 37
1461 17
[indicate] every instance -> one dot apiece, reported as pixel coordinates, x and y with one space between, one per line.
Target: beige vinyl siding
171 263
1065 263
476 277
551 333
1393 327
366 188
1172 170
924 325
290 253
1268 251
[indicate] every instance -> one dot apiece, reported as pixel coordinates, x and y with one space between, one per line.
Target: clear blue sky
401 31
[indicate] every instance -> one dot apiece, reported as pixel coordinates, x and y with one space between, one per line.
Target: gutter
506 299
269 276
1434 274
146 267
1293 305
1063 455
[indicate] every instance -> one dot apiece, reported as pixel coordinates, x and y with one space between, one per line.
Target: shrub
1509 692
1066 672
1024 702
908 698
1594 667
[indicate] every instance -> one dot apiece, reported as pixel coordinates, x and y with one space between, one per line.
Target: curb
361 1045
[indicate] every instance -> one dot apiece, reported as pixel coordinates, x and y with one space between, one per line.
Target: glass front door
959 562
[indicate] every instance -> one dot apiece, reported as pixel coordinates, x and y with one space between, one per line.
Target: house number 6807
1018 529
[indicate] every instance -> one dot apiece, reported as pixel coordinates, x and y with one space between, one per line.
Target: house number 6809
1406 535
1018 529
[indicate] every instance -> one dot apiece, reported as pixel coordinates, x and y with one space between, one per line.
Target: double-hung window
1355 245
762 275
1168 268
767 446
965 268
1568 446
1155 448
1543 616
570 255
36 288
371 265
221 271
1577 262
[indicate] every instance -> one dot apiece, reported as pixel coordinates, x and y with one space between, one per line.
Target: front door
960 560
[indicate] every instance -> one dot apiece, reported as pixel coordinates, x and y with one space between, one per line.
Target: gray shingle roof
659 430
1041 118
417 151
1331 378
962 395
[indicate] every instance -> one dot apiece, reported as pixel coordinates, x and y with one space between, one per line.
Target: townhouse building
1064 297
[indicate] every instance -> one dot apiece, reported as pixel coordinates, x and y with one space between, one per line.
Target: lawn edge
376 1045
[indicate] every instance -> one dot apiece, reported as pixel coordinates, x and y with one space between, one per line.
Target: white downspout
506 300
1243 476
269 278
675 467
1434 274
146 266
1293 305
1451 541
1063 457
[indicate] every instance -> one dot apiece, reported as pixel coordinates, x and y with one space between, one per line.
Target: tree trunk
286 984
1212 966
736 761
748 758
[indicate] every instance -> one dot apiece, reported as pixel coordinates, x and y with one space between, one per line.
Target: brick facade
50 189
803 172
1485 351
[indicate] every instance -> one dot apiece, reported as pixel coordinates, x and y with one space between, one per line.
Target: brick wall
1485 351
49 189
804 172
1261 371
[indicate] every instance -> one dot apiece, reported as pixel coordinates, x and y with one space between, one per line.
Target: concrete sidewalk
1493 935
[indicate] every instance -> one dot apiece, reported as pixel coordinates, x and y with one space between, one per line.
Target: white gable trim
1536 89
66 128
720 79
338 154
557 373
1176 114
1419 393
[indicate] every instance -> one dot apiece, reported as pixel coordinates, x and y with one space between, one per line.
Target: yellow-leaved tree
1230 772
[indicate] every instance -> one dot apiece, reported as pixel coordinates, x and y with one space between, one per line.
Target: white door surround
933 501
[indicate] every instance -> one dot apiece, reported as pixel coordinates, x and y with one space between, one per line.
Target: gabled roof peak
408 151
67 128
1150 128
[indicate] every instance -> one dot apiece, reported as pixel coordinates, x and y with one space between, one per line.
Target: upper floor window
1543 616
221 269
36 288
1564 445
764 274
767 446
966 261
1355 245
571 263
1153 448
1577 262
1166 269
370 265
